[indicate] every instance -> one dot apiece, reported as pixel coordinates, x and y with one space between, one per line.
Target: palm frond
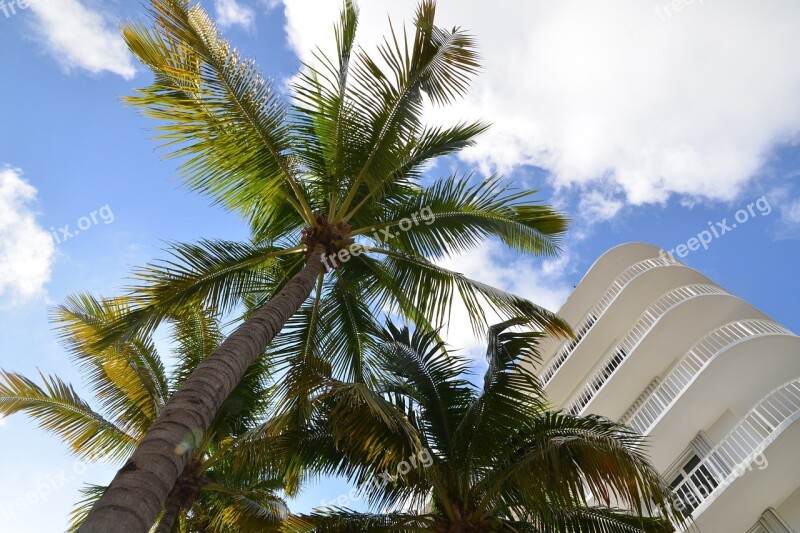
567 458
327 122
437 62
220 115
347 521
510 398
89 495
254 508
196 333
126 376
431 378
215 274
598 520
455 215
431 289
58 409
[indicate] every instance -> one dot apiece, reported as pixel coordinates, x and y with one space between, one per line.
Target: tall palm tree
338 167
131 388
492 458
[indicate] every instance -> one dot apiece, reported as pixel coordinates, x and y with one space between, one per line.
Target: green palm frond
368 426
196 334
431 378
89 495
597 520
349 328
456 214
252 508
414 158
511 394
437 62
216 274
127 376
347 521
566 457
57 408
431 290
326 121
224 119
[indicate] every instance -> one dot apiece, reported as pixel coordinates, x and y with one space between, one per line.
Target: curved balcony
768 432
654 403
626 309
634 337
602 274
622 281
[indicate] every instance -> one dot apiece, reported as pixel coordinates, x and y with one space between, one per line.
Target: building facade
713 383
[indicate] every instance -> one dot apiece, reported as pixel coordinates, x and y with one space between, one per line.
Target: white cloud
792 214
80 37
540 281
231 13
612 92
598 207
271 4
27 251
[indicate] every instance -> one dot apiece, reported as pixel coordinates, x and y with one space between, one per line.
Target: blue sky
643 123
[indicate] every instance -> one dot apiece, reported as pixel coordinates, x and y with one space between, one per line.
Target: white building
712 381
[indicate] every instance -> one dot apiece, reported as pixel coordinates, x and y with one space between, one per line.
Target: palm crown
489 459
342 164
131 387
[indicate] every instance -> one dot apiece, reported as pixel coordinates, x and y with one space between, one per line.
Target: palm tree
494 458
131 388
341 166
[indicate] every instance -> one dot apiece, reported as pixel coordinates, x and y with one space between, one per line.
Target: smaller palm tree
498 459
131 387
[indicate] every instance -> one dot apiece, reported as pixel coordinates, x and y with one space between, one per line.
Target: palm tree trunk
181 497
172 511
137 494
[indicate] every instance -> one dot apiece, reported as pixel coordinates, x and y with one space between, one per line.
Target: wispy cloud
27 251
598 207
542 281
82 38
232 13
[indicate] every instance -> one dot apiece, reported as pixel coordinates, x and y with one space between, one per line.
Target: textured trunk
139 491
172 511
181 497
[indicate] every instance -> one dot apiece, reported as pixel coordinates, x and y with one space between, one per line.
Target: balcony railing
635 335
732 456
654 403
602 305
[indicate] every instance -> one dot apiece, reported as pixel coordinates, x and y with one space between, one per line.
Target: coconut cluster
333 237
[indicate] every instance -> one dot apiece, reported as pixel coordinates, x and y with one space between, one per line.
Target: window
770 522
692 479
694 484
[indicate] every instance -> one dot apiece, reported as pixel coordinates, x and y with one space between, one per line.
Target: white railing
655 402
622 281
635 335
732 456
